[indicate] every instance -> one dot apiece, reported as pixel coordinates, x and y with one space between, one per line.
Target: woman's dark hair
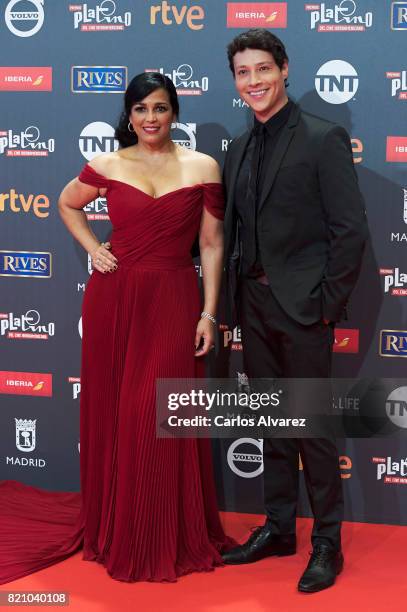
141 86
257 38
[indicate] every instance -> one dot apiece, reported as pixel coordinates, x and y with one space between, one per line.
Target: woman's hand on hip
102 259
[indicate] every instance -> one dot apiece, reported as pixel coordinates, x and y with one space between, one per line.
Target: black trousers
275 345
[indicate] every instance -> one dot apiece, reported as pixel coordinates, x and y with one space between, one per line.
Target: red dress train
147 508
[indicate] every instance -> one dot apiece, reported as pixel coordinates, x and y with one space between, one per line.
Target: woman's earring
130 127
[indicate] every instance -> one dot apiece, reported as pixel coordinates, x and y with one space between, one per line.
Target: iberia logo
257 15
346 341
396 149
25 78
26 383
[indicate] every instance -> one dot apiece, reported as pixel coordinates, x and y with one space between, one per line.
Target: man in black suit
295 229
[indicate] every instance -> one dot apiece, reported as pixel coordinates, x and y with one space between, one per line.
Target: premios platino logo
104 16
343 16
25 143
186 81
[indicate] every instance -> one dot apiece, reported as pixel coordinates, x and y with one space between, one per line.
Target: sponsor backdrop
64 69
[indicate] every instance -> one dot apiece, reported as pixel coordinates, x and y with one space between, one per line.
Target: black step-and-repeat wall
64 68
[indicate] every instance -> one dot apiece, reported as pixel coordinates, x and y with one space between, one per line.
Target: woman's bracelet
207 315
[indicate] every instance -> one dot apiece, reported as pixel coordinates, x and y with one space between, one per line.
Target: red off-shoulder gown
147 508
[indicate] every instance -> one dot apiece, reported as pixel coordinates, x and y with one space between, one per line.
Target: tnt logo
97 138
336 82
396 407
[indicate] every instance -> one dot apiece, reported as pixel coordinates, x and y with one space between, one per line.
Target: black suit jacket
311 219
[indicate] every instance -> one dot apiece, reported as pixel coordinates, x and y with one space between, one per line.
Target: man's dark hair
257 38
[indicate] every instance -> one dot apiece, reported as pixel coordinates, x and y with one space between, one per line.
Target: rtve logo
336 82
18 202
170 14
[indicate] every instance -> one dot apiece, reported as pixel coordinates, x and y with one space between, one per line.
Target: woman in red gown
147 509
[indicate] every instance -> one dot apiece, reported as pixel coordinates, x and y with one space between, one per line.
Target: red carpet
373 579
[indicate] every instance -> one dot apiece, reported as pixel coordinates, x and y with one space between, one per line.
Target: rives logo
256 15
393 343
101 18
170 14
29 264
98 79
25 78
399 15
26 383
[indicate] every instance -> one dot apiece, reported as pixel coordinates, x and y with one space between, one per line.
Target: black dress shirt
245 201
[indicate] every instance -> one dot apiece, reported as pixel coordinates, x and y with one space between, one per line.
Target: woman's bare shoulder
104 164
206 165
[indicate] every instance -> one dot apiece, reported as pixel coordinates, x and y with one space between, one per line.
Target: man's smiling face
260 82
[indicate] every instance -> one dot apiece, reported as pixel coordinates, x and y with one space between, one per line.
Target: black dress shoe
323 567
262 543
